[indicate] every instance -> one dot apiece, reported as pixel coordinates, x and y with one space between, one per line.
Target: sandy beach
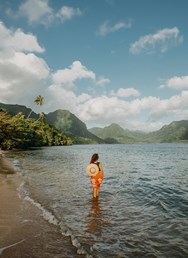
23 230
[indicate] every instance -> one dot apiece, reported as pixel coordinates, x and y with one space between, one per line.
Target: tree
18 132
42 117
39 101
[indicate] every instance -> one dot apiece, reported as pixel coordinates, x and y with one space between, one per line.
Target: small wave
80 249
17 165
23 194
46 214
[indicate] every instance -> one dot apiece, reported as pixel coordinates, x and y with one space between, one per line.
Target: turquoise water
142 210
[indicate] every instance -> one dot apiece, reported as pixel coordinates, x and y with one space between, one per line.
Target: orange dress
96 181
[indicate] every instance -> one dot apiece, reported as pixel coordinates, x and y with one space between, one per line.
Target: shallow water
142 210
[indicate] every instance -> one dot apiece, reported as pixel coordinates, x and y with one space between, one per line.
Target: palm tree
42 116
39 101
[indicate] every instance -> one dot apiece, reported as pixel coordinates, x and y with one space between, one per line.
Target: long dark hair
94 158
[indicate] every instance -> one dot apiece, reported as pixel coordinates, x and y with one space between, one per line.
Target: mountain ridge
67 122
175 131
63 120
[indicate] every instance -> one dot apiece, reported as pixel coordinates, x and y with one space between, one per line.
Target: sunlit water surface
142 210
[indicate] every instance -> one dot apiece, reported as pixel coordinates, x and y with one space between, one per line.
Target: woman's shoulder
99 164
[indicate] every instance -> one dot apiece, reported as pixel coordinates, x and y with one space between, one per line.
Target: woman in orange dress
98 178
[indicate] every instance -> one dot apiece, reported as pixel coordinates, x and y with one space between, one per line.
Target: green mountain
174 132
14 109
116 134
63 120
67 122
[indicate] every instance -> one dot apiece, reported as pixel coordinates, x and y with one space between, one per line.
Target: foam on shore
24 232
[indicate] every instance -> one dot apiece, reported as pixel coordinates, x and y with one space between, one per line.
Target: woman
98 178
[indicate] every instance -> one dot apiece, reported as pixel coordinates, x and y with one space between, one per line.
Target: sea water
142 210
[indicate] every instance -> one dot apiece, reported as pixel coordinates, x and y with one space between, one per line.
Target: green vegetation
116 134
61 127
39 101
63 120
18 132
177 131
67 122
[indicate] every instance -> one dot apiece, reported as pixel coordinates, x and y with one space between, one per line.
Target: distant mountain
63 120
174 132
67 122
116 134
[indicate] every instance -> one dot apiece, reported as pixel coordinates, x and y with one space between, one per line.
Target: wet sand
23 230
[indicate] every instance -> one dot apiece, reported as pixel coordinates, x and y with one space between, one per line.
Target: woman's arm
101 169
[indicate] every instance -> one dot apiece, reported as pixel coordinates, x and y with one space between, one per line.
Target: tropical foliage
18 132
39 101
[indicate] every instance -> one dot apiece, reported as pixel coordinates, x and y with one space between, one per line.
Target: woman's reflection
95 218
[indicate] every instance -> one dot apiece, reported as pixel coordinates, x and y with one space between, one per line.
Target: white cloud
103 110
58 97
22 74
39 12
102 81
161 40
126 92
177 83
172 106
17 40
36 11
67 13
106 28
68 76
30 63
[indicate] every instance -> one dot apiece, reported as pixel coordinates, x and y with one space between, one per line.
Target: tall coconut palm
39 101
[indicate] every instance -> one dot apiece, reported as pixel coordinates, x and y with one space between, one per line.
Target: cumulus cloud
36 11
58 97
171 106
108 109
177 83
68 76
126 92
21 71
106 28
39 12
67 13
17 40
161 40
24 75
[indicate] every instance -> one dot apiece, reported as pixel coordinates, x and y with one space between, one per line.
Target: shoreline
23 230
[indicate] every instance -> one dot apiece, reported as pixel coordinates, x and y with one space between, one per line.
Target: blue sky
122 61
